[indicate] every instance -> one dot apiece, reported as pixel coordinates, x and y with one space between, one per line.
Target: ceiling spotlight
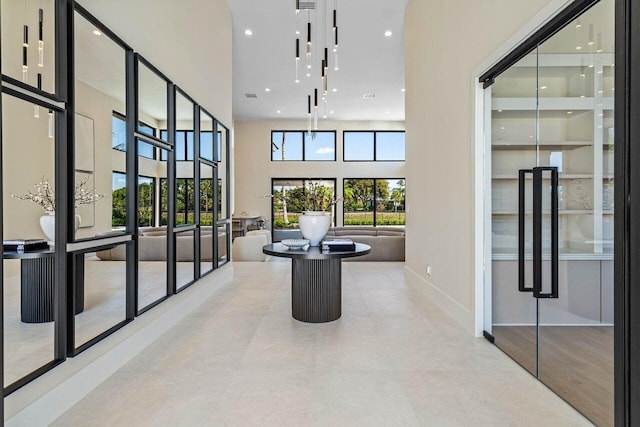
331 112
248 32
267 89
388 33
403 90
334 90
97 32
324 117
278 112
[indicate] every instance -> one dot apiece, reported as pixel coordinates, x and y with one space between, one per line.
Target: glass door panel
575 332
514 132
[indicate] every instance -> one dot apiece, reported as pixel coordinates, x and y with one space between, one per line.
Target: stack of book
24 245
338 245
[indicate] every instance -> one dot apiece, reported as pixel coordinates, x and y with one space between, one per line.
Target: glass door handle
538 180
522 176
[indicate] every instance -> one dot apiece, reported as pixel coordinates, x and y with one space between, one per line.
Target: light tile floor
393 359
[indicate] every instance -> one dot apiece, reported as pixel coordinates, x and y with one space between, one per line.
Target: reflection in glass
152 239
390 202
102 279
22 62
146 201
152 102
223 241
27 346
185 261
206 217
100 129
206 136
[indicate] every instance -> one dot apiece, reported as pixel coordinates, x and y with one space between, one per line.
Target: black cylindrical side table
316 281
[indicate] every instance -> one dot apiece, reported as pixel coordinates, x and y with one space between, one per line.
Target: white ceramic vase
314 226
48 225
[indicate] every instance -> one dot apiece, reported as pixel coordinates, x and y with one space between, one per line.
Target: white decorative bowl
295 243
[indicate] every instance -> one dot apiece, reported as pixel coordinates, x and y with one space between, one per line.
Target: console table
37 279
316 280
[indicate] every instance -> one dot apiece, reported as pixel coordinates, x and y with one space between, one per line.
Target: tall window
303 146
374 146
184 145
118 200
146 201
288 203
185 201
374 202
119 136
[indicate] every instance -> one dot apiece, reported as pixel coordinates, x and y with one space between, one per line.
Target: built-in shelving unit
556 110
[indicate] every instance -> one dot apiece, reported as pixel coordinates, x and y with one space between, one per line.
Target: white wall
445 41
188 40
254 168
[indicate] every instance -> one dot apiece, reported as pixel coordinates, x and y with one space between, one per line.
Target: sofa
387 243
152 244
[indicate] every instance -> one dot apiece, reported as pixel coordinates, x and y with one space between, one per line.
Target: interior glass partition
28 271
551 125
207 210
152 241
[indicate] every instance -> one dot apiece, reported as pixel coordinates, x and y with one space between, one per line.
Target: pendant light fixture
36 108
325 25
297 59
308 113
50 124
25 53
40 38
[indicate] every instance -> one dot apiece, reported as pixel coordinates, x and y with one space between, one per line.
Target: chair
249 248
236 228
266 233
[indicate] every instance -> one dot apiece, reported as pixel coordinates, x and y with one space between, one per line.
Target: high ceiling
369 62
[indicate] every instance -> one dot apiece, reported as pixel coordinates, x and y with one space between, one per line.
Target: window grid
304 135
375 145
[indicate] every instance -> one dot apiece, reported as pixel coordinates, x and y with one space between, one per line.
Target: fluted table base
316 290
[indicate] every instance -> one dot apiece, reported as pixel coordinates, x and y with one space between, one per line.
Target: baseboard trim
460 314
50 396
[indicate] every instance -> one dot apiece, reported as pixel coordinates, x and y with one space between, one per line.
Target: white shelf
560 176
552 104
530 145
562 212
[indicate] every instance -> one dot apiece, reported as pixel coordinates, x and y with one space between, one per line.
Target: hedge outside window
374 202
374 146
303 146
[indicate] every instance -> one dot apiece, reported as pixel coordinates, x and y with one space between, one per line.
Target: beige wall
254 168
189 41
445 41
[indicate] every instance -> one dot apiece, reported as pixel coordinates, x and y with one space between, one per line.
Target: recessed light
543 87
403 90
278 112
266 89
499 111
97 32
248 32
387 112
331 112
334 89
388 33
324 117
569 112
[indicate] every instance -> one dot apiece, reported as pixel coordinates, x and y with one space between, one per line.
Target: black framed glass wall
223 193
101 161
99 270
374 202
